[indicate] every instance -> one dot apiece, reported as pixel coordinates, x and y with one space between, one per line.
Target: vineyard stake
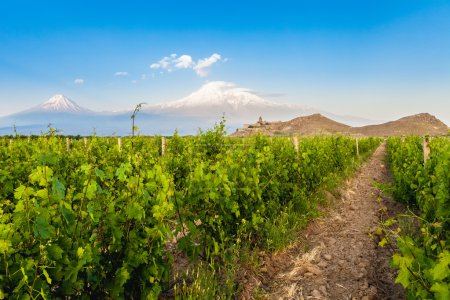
68 144
85 142
426 150
119 143
357 147
163 146
295 140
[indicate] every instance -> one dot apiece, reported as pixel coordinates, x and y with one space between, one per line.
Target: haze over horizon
373 59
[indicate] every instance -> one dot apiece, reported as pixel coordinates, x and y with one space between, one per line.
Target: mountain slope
419 124
58 103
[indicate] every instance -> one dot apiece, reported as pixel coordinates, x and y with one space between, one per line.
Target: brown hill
315 124
420 124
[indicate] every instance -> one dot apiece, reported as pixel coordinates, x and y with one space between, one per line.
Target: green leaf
47 277
41 176
135 211
403 262
441 290
58 189
54 252
91 190
122 276
2 294
100 174
19 191
5 245
383 242
123 170
68 215
43 229
441 269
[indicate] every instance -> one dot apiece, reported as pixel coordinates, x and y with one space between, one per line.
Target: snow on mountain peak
220 93
60 103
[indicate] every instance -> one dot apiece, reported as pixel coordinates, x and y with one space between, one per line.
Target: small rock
331 241
364 285
327 256
322 264
314 270
365 298
309 274
316 294
341 262
320 281
323 289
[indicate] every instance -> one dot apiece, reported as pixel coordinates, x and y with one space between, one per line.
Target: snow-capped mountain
220 94
58 103
238 104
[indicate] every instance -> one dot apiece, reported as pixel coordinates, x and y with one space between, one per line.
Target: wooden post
85 142
119 143
357 147
28 139
68 144
163 146
10 142
426 150
295 140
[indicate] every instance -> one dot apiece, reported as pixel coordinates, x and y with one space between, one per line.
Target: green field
89 218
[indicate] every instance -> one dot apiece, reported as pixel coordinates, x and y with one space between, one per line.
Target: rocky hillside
316 124
420 124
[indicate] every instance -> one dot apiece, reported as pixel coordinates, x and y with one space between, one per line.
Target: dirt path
337 259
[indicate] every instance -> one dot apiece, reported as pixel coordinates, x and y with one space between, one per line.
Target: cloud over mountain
185 61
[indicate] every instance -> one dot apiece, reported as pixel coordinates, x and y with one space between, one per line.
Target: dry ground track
342 261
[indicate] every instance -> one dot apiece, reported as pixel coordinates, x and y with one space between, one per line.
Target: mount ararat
201 109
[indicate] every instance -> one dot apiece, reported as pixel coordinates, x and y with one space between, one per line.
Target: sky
377 59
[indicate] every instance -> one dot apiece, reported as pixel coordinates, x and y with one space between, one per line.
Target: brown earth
336 258
420 124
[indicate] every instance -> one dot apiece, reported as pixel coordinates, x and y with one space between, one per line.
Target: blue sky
374 59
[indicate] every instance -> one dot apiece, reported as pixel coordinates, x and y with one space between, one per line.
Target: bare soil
335 257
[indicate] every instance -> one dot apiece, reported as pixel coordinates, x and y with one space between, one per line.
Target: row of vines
94 220
423 184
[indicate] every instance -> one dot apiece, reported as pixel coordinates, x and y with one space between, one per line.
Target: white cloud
203 65
185 61
164 63
144 76
121 73
79 81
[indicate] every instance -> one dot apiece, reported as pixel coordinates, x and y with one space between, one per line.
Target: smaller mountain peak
60 103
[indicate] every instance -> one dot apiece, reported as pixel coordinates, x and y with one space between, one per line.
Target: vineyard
104 217
422 182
